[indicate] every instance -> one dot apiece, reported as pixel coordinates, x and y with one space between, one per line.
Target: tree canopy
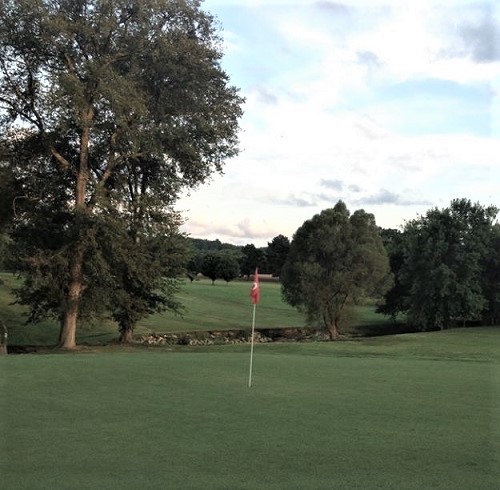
109 108
446 267
252 257
335 259
277 251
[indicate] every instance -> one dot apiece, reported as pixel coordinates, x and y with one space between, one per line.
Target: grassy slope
225 306
402 412
207 307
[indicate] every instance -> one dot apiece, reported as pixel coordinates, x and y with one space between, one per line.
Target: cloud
334 184
368 58
332 7
296 201
384 196
264 96
239 232
388 105
481 39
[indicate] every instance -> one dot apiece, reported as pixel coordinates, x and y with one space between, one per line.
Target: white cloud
321 108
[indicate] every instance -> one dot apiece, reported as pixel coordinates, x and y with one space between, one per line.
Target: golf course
249 245
412 411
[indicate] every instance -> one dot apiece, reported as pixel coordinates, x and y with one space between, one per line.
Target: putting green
404 412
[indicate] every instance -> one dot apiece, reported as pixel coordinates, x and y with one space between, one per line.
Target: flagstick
251 348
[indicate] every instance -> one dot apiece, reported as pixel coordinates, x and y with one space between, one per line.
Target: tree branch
64 163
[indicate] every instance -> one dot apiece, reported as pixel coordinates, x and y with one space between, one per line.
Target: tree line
446 267
441 270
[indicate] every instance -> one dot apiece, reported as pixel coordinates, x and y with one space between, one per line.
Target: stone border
221 337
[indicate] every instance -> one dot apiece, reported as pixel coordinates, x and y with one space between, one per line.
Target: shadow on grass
379 329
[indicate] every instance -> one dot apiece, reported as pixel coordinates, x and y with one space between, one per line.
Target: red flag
255 291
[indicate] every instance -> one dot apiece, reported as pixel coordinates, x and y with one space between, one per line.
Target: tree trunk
126 336
333 330
67 335
3 338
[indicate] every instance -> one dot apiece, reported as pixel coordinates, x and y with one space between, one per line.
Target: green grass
207 307
402 412
226 306
13 316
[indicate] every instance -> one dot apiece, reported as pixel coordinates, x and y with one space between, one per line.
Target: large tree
111 107
335 259
445 274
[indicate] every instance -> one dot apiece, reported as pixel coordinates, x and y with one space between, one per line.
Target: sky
392 106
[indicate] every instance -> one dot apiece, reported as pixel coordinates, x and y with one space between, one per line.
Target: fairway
207 307
405 412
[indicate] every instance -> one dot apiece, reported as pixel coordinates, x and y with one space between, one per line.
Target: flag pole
255 297
251 348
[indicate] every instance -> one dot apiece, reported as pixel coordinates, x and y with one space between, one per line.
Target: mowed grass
220 306
402 412
223 306
207 307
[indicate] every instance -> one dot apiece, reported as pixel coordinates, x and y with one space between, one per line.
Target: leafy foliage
335 259
277 251
108 109
491 278
444 264
228 267
252 257
220 265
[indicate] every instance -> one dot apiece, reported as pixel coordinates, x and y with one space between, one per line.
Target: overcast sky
391 106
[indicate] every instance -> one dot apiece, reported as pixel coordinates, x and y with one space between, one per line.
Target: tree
227 267
193 266
440 282
210 266
220 265
335 259
393 242
145 278
122 105
277 251
10 198
491 278
252 258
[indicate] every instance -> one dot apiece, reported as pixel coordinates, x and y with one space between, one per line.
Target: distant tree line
217 260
